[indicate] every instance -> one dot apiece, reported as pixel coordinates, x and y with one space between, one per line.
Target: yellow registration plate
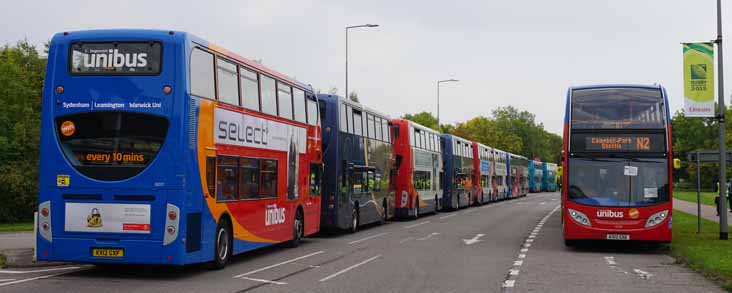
108 252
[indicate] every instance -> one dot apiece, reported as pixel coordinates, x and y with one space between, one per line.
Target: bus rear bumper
78 250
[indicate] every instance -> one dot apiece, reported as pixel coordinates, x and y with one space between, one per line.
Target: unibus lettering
115 59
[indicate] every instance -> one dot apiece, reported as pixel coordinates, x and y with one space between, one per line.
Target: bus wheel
223 247
354 220
455 203
569 242
386 213
298 229
416 208
437 205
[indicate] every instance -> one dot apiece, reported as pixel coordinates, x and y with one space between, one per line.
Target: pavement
707 212
16 240
510 246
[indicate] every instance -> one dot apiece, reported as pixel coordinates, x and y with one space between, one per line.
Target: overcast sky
521 53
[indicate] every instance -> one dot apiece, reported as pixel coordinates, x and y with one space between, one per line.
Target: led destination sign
590 142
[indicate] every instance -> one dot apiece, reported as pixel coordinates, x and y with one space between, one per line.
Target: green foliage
691 134
508 129
16 227
707 198
22 70
424 118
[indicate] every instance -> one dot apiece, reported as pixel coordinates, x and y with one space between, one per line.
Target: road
510 246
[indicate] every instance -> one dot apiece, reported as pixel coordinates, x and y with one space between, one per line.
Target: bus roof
620 85
356 105
131 34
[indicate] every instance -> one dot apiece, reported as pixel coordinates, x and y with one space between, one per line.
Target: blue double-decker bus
457 156
158 147
358 155
536 175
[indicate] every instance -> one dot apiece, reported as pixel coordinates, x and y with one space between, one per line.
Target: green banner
699 80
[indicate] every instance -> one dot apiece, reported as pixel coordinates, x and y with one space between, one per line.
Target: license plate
617 237
108 252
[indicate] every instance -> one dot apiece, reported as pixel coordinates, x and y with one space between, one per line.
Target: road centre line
448 216
37 271
405 240
263 281
278 264
38 278
415 225
349 268
5 280
368 237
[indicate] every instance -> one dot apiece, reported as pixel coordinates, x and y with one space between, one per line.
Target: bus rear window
111 145
618 108
115 58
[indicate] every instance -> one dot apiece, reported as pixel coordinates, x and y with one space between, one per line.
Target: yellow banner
699 80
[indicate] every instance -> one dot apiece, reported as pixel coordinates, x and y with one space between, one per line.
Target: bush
22 70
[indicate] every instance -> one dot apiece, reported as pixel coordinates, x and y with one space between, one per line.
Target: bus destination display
618 142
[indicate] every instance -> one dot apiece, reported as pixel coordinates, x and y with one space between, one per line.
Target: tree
423 118
22 71
353 97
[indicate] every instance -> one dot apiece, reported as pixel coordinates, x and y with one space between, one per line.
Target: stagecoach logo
94 220
274 215
633 213
113 58
68 128
609 214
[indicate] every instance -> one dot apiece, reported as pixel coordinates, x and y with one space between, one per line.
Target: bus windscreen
618 108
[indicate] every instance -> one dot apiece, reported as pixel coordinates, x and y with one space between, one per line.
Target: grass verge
707 198
16 227
702 252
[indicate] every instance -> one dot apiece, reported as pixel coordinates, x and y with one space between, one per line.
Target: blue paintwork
172 178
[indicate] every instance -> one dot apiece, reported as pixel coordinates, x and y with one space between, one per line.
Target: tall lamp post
347 28
722 153
438 97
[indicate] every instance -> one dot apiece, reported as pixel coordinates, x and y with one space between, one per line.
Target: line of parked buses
159 147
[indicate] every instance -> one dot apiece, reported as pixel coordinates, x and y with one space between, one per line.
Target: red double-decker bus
418 157
617 164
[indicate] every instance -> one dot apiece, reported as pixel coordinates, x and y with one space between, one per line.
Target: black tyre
354 221
416 208
298 230
385 216
223 245
437 205
569 242
455 203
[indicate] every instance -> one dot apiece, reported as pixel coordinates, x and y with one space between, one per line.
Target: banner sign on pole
699 80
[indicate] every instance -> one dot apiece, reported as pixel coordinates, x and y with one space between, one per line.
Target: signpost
704 157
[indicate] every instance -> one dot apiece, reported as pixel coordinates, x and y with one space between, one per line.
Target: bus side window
227 181
211 175
248 178
316 173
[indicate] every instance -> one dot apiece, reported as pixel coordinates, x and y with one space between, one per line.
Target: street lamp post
347 28
438 97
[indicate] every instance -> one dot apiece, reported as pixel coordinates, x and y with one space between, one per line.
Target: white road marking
349 268
518 263
278 264
415 225
522 256
610 260
5 280
473 240
513 272
508 283
469 211
644 275
527 245
263 281
448 216
37 271
429 236
37 278
367 238
524 249
405 240
529 240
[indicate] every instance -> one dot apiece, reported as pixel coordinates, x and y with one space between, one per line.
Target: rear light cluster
579 217
172 223
656 218
44 220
